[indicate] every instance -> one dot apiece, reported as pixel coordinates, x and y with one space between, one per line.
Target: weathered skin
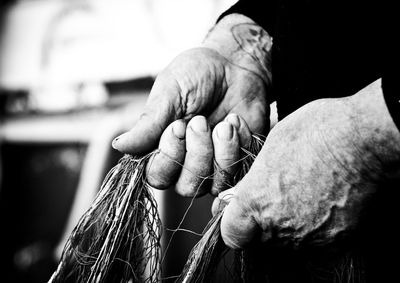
319 166
228 73
317 171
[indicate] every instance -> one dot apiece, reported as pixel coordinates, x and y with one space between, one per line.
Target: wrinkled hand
317 171
202 81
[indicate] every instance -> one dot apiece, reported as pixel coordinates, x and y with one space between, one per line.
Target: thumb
238 226
161 110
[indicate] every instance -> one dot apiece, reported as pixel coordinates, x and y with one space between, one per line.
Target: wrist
243 43
392 97
375 126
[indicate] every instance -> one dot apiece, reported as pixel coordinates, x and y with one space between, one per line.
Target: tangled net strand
119 238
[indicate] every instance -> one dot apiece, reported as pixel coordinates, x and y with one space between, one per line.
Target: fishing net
207 253
119 238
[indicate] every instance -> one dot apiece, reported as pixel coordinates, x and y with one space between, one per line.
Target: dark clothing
325 48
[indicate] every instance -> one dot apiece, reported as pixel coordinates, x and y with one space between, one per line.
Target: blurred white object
67 97
95 128
70 42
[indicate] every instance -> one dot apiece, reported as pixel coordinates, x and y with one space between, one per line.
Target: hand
213 80
317 171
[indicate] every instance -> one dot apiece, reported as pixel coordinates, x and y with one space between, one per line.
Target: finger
256 115
221 201
226 154
164 167
162 108
242 129
198 159
238 226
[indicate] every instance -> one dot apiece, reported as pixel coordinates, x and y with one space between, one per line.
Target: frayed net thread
207 253
119 238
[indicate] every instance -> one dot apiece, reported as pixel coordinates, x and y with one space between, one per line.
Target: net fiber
119 238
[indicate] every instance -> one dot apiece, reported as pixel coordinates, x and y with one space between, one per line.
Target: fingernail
225 131
199 124
227 195
114 142
234 120
179 129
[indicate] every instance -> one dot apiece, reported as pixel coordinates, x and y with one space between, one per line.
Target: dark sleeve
391 60
308 63
262 12
391 94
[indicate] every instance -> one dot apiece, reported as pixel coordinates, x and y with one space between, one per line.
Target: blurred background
73 75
